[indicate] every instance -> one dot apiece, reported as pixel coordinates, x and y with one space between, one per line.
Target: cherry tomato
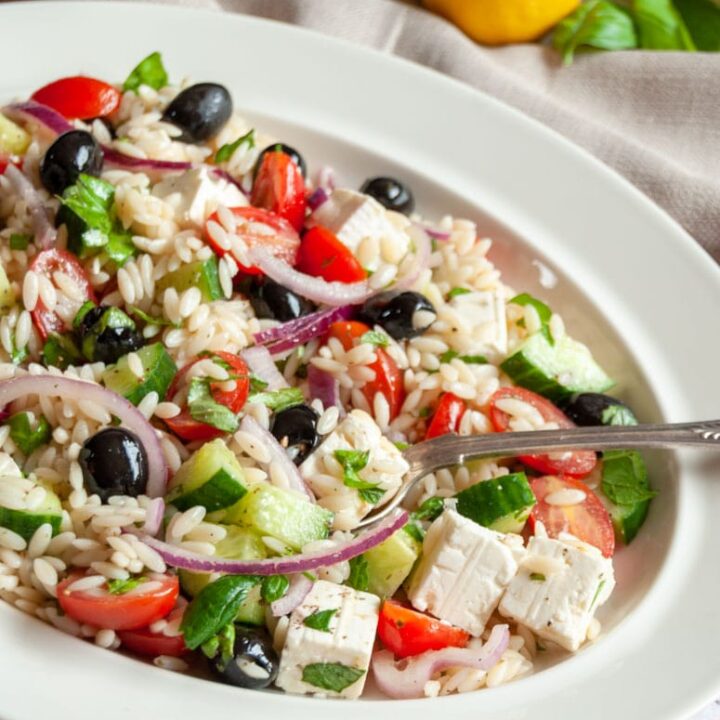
576 464
406 632
184 425
323 255
6 160
124 611
279 187
588 520
256 226
146 642
446 418
388 377
58 320
79 97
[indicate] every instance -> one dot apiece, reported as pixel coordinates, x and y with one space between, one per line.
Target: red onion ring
260 362
433 232
154 516
406 679
324 387
300 586
38 113
317 198
183 559
78 390
45 233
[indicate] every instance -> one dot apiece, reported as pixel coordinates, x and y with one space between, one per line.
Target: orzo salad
212 357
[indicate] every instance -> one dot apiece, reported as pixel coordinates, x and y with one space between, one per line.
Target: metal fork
431 455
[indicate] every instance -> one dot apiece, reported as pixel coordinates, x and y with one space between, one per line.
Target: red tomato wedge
588 520
256 226
79 97
447 416
406 632
144 641
388 377
123 611
576 464
184 425
46 263
323 255
279 186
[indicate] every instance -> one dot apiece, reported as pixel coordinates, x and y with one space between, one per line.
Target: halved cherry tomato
256 226
124 611
576 464
406 632
47 263
447 416
588 520
279 186
146 642
184 425
388 377
323 255
79 97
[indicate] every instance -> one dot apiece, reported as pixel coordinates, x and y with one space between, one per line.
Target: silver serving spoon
431 455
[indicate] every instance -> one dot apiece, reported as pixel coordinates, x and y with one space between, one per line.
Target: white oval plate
632 284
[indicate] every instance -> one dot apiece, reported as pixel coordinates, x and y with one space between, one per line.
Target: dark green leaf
278 400
320 620
618 415
83 310
352 459
204 408
450 355
149 319
400 445
660 26
372 495
331 676
359 577
430 510
257 384
150 72
25 435
19 355
543 311
376 338
458 291
274 587
352 462
537 577
60 351
228 150
120 587
20 241
120 247
702 18
624 479
414 531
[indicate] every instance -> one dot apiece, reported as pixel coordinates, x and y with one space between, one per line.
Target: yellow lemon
496 22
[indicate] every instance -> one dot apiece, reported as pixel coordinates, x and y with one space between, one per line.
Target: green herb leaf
204 408
214 607
598 24
537 577
20 241
120 587
228 150
458 291
430 510
702 18
120 247
661 26
226 643
414 531
376 338
60 351
359 577
278 400
29 436
210 647
618 415
401 445
149 71
353 461
83 310
331 676
450 355
257 384
274 587
543 311
19 355
600 586
320 620
624 479
149 319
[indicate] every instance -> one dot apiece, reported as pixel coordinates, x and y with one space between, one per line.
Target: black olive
295 156
72 153
106 338
114 462
200 111
395 313
253 665
390 193
598 409
112 343
295 429
271 300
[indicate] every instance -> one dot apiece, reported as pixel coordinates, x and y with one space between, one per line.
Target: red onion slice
300 586
406 679
260 362
38 113
120 160
183 559
154 516
433 232
78 390
318 198
295 481
45 233
324 387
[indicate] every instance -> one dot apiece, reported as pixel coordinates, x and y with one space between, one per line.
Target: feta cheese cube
324 473
348 640
480 320
195 195
463 571
557 590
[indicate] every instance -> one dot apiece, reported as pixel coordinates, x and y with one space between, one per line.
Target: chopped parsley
449 355
20 241
430 510
401 445
149 319
320 620
537 577
120 587
600 586
228 150
543 311
274 587
376 338
278 400
359 577
331 676
458 291
353 461
205 409
150 71
29 435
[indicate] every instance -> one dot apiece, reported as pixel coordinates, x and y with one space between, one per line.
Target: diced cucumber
282 514
13 139
211 477
390 562
159 369
7 296
201 274
26 522
501 504
556 371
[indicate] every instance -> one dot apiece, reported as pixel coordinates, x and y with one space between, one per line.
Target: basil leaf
414 531
331 676
27 437
150 71
359 577
60 351
702 18
228 150
660 26
120 587
543 311
373 337
458 291
20 241
352 462
274 587
120 247
205 409
149 319
278 400
352 459
618 415
598 24
214 607
430 510
624 479
450 355
320 620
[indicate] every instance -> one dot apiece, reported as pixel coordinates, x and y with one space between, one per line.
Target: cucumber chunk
26 522
390 563
501 504
13 139
282 514
211 477
556 371
201 274
159 369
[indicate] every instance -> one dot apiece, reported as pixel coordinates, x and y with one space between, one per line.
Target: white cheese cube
557 590
324 473
480 322
348 642
463 571
196 194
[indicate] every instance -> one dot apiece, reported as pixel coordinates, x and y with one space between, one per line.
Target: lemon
496 22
